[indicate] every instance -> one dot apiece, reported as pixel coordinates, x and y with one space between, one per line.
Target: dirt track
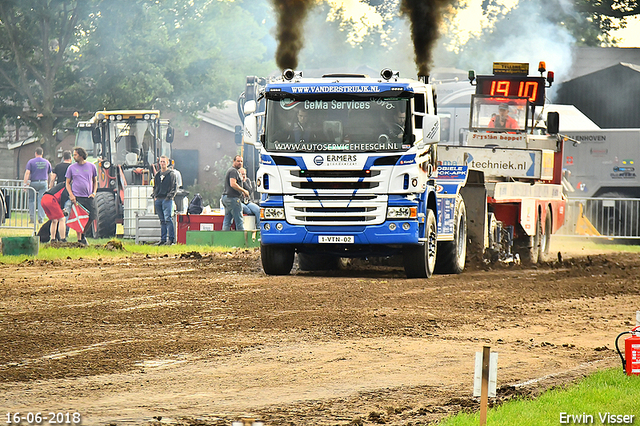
209 339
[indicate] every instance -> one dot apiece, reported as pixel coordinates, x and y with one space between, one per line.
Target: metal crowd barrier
17 200
602 218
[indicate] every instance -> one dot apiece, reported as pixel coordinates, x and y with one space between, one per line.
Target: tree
36 68
588 22
60 56
606 15
185 57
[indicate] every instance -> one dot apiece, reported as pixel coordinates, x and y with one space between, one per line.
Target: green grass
97 249
607 391
560 243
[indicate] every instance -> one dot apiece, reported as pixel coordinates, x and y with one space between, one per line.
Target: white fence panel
602 218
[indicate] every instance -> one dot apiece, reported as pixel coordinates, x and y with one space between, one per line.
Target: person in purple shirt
36 175
82 185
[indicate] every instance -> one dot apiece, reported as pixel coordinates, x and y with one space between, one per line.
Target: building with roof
610 97
587 60
203 149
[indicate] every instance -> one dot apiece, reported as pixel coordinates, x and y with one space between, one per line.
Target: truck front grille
335 173
336 210
335 185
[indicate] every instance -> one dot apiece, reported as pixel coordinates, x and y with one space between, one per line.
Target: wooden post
484 394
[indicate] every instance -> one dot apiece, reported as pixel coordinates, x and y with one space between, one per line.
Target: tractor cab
125 146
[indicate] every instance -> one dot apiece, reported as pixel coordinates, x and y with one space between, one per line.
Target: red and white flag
78 218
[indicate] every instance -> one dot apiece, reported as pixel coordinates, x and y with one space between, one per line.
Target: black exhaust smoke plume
425 17
291 16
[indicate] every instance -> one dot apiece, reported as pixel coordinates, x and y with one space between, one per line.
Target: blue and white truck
347 169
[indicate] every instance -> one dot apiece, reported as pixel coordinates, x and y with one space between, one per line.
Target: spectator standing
248 206
231 196
60 170
82 185
52 202
164 189
36 175
58 176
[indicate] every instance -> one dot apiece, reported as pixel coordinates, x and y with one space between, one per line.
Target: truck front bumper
388 233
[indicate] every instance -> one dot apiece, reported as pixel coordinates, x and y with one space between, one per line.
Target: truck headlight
272 213
402 212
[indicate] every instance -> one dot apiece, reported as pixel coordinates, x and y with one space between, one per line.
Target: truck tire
317 262
528 247
276 259
452 255
545 239
105 223
420 260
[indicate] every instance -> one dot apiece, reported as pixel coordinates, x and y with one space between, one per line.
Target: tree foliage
589 22
61 56
36 70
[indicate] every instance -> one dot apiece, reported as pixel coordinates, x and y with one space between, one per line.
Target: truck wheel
528 248
317 262
420 260
105 224
545 239
453 254
276 259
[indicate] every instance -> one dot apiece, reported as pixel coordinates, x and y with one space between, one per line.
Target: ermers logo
341 158
318 160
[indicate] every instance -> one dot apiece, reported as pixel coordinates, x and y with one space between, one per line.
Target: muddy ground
206 339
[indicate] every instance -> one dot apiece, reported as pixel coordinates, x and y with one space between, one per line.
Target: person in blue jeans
164 189
36 175
231 197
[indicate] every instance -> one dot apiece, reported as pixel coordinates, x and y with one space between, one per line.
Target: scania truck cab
346 170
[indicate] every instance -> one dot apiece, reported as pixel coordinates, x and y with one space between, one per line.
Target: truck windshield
85 140
494 114
165 148
355 125
132 140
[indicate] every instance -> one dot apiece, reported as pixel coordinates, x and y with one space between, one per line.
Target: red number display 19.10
524 87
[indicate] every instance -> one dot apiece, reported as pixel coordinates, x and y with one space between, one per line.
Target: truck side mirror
95 135
169 137
250 107
553 123
250 130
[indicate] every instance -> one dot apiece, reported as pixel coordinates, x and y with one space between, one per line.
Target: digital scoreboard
512 85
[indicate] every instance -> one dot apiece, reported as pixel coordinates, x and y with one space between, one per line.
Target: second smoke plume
425 17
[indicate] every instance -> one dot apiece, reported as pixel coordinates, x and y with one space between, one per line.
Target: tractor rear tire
277 259
105 214
420 260
452 255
